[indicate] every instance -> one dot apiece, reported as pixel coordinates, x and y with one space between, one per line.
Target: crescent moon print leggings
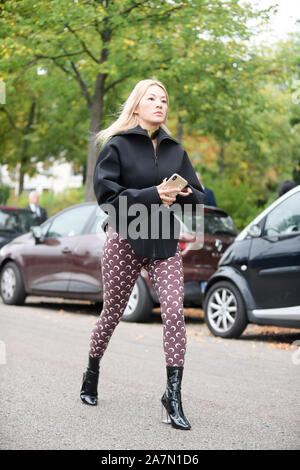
120 270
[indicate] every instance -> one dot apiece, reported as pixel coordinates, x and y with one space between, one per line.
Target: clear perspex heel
165 415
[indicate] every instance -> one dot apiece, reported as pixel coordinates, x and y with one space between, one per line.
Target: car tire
224 310
140 304
12 285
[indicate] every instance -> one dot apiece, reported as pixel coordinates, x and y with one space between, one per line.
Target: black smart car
258 276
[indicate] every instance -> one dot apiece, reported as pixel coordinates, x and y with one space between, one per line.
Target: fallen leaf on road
281 346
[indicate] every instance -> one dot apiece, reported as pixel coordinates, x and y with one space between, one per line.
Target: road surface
237 394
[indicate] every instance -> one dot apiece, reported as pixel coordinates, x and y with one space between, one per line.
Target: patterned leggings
120 270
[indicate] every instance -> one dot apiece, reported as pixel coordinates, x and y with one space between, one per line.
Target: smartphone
175 181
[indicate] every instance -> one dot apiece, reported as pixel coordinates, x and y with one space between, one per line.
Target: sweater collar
162 135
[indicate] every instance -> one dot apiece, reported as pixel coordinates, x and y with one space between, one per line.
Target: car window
7 221
71 222
188 223
16 220
215 224
284 218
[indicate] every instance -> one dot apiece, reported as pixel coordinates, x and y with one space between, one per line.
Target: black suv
258 276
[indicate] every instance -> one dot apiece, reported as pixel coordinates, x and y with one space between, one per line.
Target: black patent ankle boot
171 399
88 393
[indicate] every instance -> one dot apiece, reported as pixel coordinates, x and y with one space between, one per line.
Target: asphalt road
237 394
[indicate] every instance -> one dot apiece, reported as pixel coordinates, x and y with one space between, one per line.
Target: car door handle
66 249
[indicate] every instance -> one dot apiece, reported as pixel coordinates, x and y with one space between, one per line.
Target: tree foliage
69 64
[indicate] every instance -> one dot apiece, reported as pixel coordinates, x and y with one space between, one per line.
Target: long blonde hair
127 119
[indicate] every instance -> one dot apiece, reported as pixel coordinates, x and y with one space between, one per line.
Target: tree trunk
83 175
23 164
222 158
21 179
95 126
24 158
96 113
180 129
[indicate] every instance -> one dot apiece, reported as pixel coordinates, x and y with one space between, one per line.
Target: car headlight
2 251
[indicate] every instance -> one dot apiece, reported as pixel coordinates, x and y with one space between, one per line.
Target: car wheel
140 305
12 285
224 309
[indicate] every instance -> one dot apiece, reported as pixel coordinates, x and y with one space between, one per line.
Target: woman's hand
185 191
168 195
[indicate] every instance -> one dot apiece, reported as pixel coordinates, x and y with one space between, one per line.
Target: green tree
106 45
42 120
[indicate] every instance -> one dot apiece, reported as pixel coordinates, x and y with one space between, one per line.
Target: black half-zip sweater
129 166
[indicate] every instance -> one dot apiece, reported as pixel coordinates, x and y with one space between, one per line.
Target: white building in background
58 177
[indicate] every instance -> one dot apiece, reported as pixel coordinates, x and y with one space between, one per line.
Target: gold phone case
175 181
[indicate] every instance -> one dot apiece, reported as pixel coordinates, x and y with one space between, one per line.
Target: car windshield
214 224
16 220
217 224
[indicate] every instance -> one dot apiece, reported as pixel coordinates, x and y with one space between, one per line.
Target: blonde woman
137 156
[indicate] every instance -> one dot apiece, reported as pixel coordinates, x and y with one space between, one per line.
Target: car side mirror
254 231
37 233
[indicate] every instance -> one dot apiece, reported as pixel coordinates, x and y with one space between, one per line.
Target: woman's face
153 108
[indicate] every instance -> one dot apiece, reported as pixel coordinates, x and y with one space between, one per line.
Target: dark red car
61 258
